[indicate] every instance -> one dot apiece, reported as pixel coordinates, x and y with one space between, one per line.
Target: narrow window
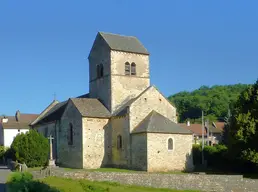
170 144
46 132
70 134
98 71
101 70
119 142
127 68
133 69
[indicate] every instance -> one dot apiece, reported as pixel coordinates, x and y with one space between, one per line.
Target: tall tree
244 126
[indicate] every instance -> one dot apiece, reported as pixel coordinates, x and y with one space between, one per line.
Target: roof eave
134 52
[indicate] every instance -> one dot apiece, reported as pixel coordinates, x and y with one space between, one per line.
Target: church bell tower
119 69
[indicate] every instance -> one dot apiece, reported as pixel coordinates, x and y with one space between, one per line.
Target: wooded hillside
214 101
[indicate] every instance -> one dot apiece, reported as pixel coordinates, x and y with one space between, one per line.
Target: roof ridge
116 34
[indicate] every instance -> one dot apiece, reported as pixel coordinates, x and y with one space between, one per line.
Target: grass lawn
121 170
69 185
35 168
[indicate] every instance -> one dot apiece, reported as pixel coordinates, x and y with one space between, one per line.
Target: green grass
35 168
120 170
69 185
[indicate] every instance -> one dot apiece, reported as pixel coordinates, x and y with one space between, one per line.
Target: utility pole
202 139
208 132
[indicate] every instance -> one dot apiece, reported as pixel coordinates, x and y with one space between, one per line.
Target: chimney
4 119
17 115
188 123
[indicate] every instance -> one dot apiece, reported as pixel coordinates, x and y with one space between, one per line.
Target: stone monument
51 161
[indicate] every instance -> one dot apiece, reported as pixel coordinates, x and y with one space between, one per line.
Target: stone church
123 121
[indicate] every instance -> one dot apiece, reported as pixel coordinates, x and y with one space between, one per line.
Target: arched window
170 144
127 68
70 134
133 69
119 142
101 70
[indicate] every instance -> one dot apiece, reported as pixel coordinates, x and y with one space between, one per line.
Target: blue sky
44 45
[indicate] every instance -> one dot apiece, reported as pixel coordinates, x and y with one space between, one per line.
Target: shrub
216 156
197 154
30 148
19 182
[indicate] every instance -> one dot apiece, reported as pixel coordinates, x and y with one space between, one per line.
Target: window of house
70 134
127 68
170 144
119 142
133 69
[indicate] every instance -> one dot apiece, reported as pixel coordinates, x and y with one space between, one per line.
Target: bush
23 182
216 156
30 148
197 154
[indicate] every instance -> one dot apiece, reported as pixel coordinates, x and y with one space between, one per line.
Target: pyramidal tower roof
124 43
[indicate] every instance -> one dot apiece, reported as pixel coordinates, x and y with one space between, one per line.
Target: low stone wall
208 183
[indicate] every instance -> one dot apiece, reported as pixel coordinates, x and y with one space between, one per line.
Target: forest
214 101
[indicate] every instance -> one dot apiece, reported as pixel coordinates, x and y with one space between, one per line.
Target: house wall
139 151
1 135
9 134
152 99
161 159
96 148
71 155
120 126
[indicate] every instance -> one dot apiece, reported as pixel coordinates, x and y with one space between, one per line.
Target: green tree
214 101
31 148
243 129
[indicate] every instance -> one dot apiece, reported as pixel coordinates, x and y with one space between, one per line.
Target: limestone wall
71 155
200 182
120 126
96 145
100 87
152 99
162 159
139 151
124 87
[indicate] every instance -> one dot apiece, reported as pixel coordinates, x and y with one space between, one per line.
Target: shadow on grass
23 182
29 186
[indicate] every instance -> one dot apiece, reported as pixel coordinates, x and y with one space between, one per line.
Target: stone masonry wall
207 183
139 151
96 148
125 87
100 87
162 159
71 155
120 126
152 99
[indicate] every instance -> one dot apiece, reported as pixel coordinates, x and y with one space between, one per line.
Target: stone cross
50 145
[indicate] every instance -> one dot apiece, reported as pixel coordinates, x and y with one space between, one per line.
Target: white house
10 126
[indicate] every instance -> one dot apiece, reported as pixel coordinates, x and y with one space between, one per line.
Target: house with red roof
212 133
